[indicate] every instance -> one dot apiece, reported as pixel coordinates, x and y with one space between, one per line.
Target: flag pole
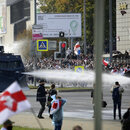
36 119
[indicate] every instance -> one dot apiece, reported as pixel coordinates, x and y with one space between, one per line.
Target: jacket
58 115
41 94
121 90
51 92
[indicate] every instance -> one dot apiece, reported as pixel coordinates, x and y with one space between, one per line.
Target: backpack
115 94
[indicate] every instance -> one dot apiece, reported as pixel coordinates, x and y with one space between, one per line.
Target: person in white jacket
57 111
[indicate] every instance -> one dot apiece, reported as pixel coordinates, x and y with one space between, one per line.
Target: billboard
69 23
3 26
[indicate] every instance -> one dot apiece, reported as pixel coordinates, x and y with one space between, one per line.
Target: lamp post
85 51
98 38
110 30
35 56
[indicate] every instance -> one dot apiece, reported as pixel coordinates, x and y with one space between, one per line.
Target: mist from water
71 76
18 48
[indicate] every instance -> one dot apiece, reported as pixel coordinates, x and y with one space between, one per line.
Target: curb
76 90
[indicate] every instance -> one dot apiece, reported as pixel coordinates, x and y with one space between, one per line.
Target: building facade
123 25
19 17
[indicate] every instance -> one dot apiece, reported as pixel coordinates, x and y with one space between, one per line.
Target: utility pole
35 55
110 30
98 38
85 51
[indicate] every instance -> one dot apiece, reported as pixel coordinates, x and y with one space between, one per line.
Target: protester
77 127
7 125
57 111
51 92
92 96
126 120
41 97
117 91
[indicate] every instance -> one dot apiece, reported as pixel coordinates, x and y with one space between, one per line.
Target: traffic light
63 49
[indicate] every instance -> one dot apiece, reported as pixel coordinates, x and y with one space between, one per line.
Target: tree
72 6
76 6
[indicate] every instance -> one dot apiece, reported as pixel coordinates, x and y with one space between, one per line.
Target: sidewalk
28 120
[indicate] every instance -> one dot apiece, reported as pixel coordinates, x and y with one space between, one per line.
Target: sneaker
40 117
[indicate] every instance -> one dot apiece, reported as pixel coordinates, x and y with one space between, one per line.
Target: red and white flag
12 101
56 104
77 48
105 62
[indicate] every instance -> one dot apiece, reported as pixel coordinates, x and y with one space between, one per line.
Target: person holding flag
57 111
12 101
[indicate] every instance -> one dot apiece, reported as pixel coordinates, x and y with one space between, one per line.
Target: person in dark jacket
126 120
117 91
51 92
41 97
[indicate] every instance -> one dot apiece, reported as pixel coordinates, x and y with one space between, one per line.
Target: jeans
58 125
117 103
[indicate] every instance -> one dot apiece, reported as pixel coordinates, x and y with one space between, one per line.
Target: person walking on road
117 91
41 98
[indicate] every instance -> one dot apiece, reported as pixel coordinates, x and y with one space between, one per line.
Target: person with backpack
117 91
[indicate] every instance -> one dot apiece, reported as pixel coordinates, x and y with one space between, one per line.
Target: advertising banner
53 24
37 31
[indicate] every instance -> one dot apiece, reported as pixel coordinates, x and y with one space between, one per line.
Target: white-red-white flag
77 48
105 62
55 105
12 101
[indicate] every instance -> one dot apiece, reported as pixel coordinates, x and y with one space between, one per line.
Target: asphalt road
79 104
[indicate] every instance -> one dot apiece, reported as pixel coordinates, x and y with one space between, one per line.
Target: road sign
37 31
33 51
42 45
79 69
52 45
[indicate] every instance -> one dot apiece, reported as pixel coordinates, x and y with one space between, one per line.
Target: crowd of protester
71 61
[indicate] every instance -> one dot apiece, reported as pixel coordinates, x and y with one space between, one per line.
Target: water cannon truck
11 68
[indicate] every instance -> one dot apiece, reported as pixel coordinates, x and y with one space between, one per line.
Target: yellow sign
123 6
42 45
79 69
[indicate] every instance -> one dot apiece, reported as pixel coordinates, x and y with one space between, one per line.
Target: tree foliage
72 6
76 6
